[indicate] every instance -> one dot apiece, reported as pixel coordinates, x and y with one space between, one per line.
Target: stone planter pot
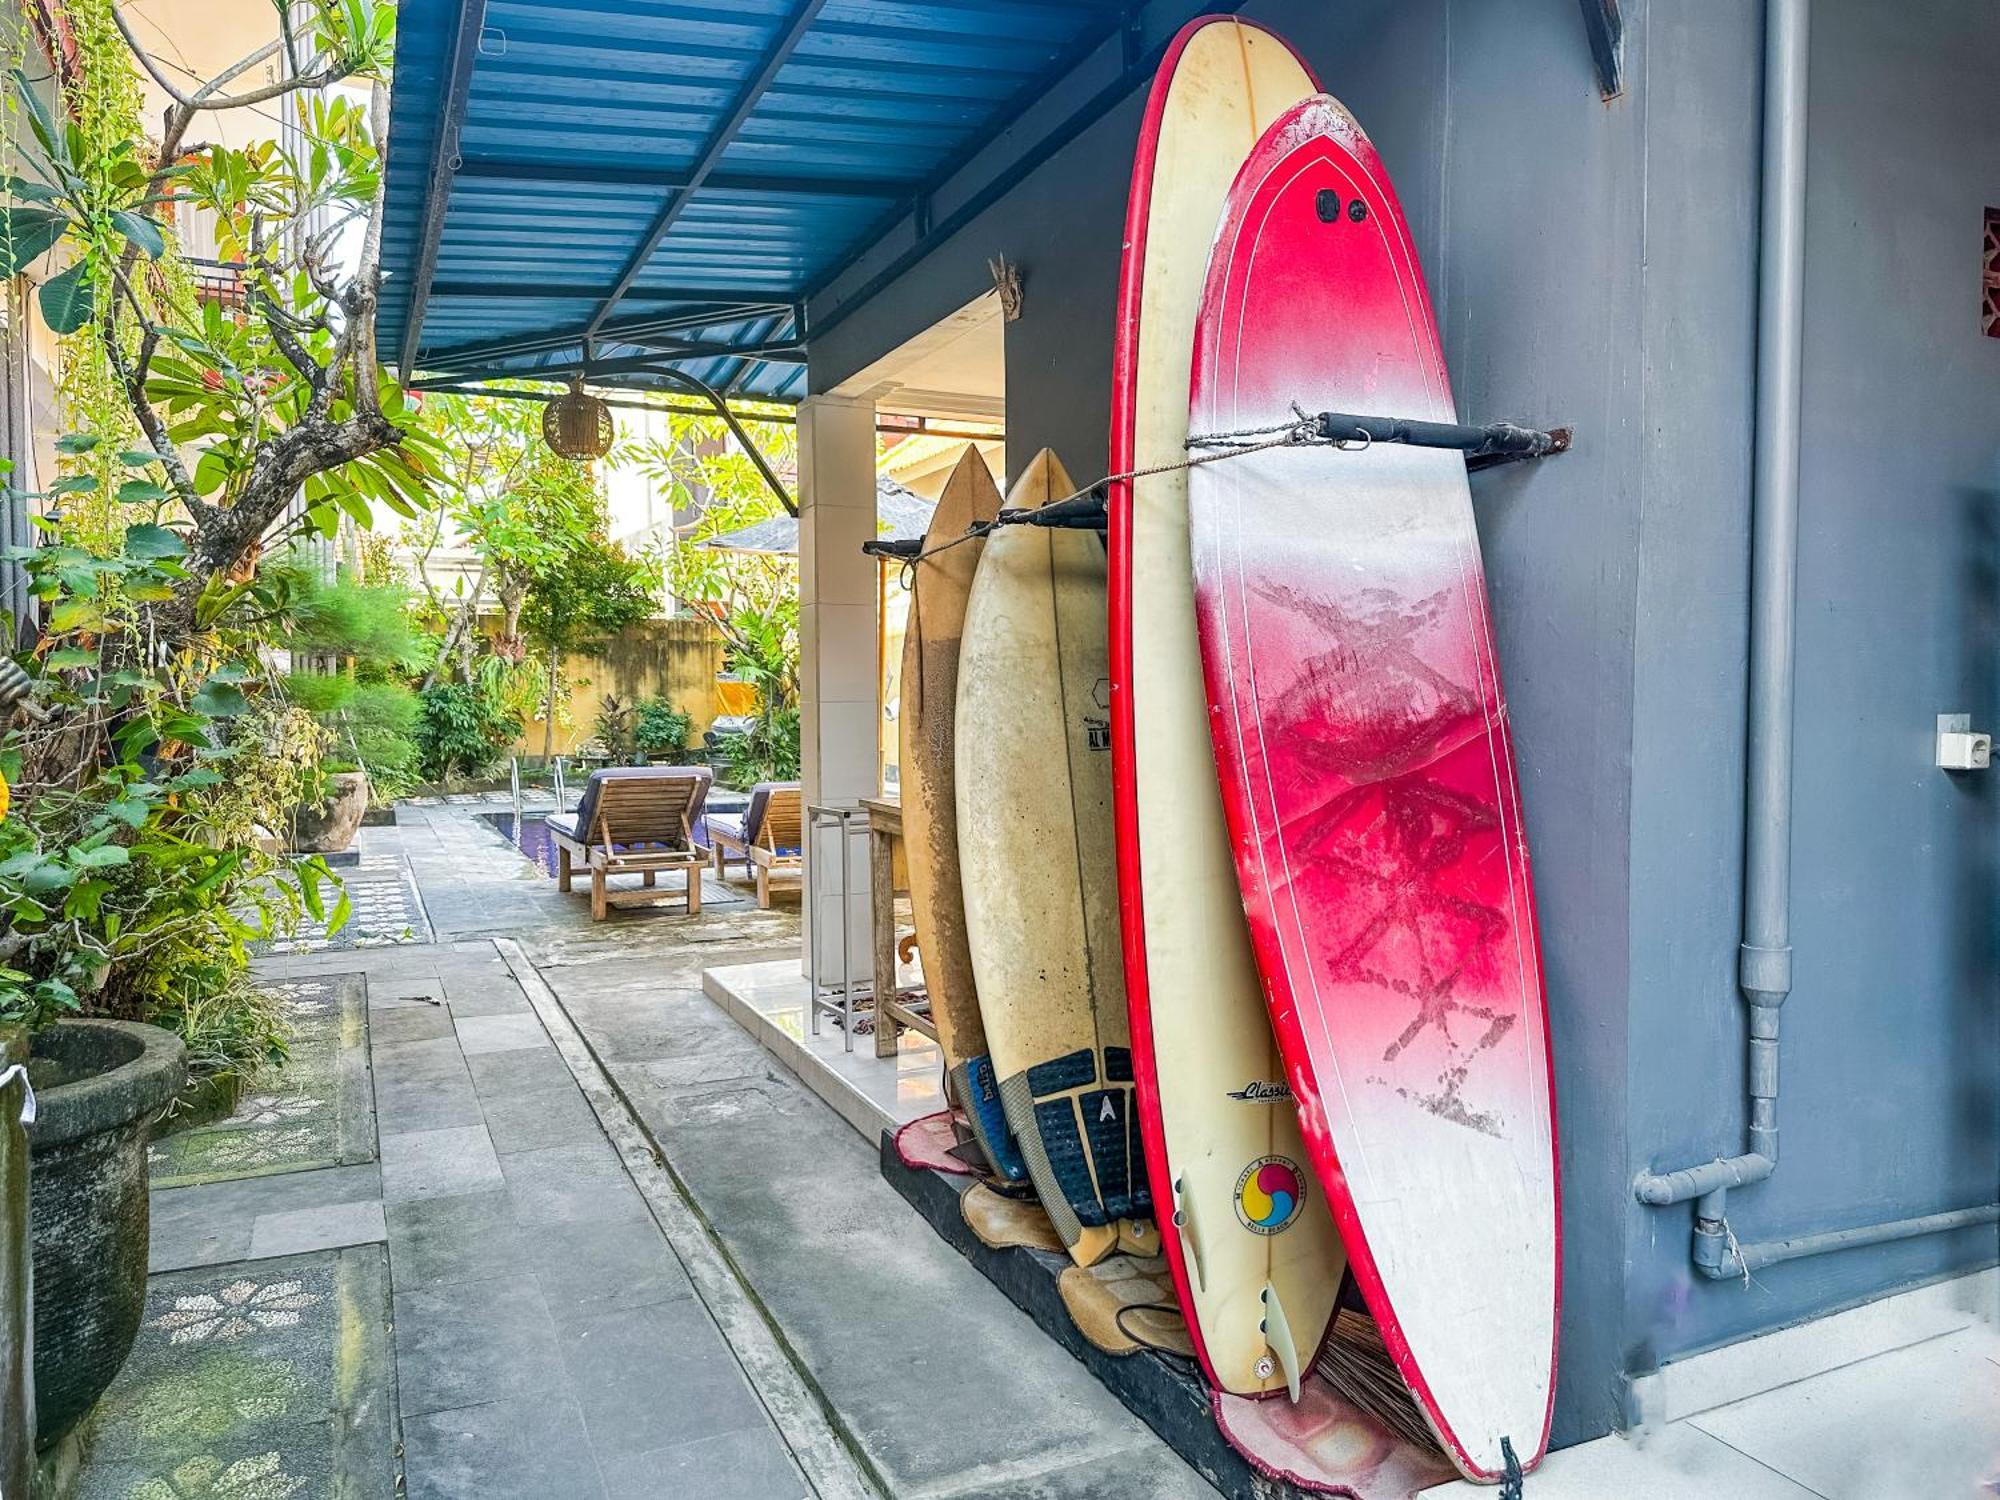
98 1086
329 827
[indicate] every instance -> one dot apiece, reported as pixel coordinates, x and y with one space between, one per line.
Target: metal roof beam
549 341
777 352
1138 63
803 15
729 301
598 175
1605 22
444 157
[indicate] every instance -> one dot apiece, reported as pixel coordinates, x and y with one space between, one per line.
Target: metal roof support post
714 398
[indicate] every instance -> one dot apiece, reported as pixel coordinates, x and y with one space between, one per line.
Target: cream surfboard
939 586
1256 1259
1035 860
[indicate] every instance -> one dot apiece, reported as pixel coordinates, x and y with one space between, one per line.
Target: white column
837 667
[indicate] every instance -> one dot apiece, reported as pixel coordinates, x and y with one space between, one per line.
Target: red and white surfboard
1368 780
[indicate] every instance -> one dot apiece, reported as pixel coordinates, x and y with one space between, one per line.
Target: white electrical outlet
1960 747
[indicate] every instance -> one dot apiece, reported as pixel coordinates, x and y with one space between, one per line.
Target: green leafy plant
581 599
615 727
461 730
767 751
660 731
134 869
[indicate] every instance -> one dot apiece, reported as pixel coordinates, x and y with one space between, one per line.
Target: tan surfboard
1036 867
1252 1245
939 587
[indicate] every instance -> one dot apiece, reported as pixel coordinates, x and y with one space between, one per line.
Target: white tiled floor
1919 1423
769 1001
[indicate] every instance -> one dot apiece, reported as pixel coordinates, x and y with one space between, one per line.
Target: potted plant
99 1085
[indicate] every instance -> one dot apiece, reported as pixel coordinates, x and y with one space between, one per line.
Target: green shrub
767 751
460 730
368 622
372 725
660 730
319 693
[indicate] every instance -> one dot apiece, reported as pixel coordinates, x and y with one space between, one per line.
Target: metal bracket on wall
1483 447
1605 23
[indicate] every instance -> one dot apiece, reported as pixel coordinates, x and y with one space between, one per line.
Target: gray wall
1890 1034
1595 264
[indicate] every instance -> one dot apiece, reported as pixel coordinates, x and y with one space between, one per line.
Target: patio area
546 1207
531 1215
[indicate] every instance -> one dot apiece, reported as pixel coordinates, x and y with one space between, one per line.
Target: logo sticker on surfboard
1270 1194
1258 1091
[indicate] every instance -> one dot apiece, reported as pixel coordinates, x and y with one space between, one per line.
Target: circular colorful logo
1270 1194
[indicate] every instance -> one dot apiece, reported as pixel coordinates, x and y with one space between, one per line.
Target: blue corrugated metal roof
574 128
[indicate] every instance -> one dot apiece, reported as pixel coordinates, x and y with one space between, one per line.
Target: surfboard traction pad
933 1142
1249 1450
1126 1303
1080 1131
972 1086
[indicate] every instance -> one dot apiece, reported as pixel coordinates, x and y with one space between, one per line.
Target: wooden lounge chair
634 820
765 836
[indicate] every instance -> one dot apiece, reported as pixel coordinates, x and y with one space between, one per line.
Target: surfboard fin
1138 1237
1190 1234
1277 1330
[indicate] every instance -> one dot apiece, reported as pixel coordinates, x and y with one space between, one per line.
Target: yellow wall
676 659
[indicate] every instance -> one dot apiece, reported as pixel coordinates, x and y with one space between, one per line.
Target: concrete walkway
626 1254
579 1235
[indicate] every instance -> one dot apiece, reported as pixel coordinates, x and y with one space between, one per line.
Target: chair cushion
564 824
728 825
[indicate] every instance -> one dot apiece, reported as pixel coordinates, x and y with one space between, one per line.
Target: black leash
1512 1478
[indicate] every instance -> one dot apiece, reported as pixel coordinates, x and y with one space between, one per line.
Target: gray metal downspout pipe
1764 959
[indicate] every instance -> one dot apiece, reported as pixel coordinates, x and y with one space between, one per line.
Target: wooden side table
888 878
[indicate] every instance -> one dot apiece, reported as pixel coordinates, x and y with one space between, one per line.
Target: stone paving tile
652 1375
747 1465
300 1230
410 1023
521 1071
485 992
532 1449
589 1267
416 1061
212 1223
506 1033
436 1241
438 1163
558 1184
257 1382
547 1117
1150 1472
315 1111
466 1342
426 1104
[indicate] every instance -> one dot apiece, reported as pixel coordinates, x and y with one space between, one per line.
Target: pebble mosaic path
268 1381
315 1111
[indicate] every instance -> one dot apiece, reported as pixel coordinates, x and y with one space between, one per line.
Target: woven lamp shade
577 425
